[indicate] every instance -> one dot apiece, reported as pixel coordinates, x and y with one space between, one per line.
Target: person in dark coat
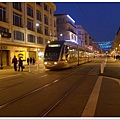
28 60
20 64
33 60
14 61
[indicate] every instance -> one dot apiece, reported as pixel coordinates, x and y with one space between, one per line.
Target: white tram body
65 54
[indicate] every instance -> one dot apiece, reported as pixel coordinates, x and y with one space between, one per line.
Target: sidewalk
112 68
26 66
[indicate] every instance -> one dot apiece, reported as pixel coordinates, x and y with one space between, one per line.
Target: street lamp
1 63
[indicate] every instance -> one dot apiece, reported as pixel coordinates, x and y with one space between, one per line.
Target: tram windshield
52 52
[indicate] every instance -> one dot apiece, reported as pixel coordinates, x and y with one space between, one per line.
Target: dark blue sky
100 19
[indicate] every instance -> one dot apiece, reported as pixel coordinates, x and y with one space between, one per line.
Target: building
65 27
115 50
80 35
25 29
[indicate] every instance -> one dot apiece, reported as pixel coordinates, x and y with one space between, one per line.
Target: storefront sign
21 54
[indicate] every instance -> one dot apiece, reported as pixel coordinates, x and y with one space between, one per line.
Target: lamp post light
1 63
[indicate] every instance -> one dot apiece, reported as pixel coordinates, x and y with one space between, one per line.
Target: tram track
61 98
47 85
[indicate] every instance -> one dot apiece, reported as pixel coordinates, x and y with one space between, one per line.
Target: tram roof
65 41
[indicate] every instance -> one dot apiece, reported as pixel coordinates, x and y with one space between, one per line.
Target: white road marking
92 101
115 79
9 76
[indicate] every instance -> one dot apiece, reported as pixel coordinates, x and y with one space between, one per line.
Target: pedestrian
33 60
20 65
114 56
14 61
28 61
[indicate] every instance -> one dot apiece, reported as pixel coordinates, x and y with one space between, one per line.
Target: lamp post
1 63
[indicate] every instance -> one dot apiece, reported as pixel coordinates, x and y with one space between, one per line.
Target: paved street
81 91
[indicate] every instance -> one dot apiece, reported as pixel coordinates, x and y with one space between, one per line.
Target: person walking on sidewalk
14 61
20 64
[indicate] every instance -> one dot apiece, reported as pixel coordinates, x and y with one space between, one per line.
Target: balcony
71 31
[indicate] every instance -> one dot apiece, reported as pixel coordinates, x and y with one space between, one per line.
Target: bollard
29 67
102 67
38 67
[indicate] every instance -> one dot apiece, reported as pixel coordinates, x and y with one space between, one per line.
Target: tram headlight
45 63
55 63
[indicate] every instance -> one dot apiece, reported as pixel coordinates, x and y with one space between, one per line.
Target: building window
17 19
29 11
3 29
50 11
2 14
79 32
18 35
39 40
17 6
38 3
31 38
30 24
39 29
45 19
54 23
46 30
38 15
50 22
46 41
45 7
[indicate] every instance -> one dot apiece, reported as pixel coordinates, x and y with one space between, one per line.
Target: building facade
25 29
115 50
65 27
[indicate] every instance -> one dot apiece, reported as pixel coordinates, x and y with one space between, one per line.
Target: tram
65 54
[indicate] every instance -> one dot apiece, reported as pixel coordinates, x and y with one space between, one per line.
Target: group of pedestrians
31 60
117 57
19 62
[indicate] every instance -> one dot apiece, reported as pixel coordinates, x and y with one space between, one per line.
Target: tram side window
66 51
73 53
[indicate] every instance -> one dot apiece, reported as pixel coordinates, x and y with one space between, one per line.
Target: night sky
100 19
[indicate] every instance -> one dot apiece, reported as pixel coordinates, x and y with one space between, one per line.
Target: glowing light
61 34
45 63
55 63
48 41
70 18
37 24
